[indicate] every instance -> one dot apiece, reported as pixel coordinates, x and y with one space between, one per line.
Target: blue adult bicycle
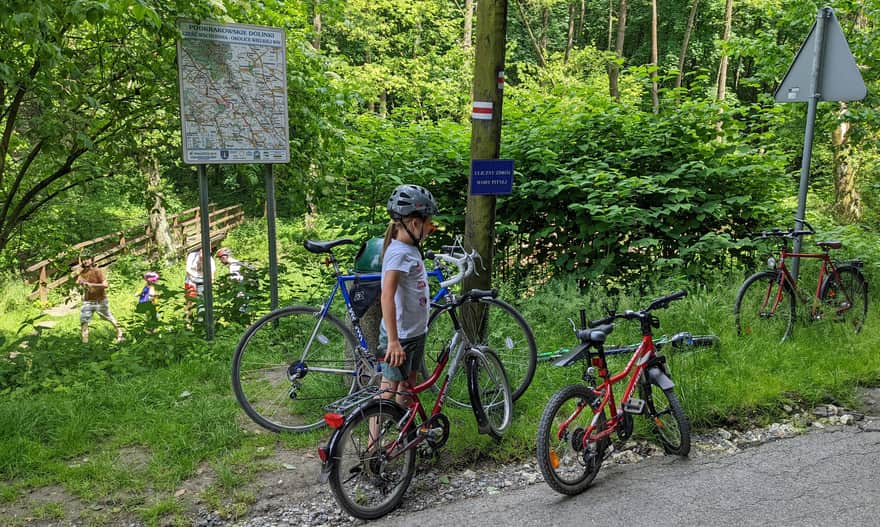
296 363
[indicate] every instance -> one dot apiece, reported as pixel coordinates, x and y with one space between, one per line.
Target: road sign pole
207 257
815 95
270 222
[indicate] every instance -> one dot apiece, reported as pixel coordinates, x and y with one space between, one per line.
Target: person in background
225 256
94 298
148 293
194 283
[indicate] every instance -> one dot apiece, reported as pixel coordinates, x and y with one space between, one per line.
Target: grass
133 439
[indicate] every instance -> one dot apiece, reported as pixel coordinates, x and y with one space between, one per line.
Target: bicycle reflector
334 421
771 263
322 453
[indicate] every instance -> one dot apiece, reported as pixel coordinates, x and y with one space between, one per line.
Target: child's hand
395 356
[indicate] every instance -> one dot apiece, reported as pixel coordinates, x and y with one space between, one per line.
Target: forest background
648 153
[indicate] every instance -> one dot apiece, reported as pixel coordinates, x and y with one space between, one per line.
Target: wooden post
479 230
44 290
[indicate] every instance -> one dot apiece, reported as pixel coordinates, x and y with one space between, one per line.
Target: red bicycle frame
636 365
825 269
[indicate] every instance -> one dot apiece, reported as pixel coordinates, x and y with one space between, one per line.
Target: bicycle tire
361 472
667 418
753 309
851 307
489 392
559 446
267 351
508 335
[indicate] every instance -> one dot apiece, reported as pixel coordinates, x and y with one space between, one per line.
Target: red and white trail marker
482 111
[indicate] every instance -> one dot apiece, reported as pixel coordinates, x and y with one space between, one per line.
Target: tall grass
135 436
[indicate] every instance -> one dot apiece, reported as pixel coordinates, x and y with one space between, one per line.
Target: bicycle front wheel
489 393
668 421
765 305
491 323
567 466
290 365
845 297
370 474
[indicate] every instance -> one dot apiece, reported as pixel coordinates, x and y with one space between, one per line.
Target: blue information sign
491 177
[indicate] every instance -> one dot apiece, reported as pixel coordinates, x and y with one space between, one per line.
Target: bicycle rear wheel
566 465
845 297
491 323
756 308
289 365
489 393
368 478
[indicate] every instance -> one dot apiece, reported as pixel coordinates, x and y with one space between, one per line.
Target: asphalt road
829 477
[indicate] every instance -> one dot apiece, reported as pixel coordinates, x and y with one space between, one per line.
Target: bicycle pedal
634 406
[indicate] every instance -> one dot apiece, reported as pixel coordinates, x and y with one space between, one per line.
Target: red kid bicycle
574 434
766 301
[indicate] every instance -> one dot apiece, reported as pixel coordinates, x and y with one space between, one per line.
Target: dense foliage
607 187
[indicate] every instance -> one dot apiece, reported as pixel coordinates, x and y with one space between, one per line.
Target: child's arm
394 356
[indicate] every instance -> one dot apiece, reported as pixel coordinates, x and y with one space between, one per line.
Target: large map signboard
233 93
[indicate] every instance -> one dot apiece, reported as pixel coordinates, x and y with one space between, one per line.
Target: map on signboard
233 93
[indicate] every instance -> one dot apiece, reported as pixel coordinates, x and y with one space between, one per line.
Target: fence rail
185 227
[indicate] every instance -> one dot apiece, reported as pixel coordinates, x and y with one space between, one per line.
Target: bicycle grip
663 302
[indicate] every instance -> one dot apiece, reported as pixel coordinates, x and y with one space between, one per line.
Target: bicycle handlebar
464 264
790 233
660 303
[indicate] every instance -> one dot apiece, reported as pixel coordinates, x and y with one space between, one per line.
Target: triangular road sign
839 77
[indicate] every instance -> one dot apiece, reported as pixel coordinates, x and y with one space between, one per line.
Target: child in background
148 293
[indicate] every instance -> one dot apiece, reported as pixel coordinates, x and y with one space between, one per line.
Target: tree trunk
684 45
847 201
159 228
580 28
479 228
468 24
610 24
614 69
722 66
571 24
655 90
545 30
525 21
316 43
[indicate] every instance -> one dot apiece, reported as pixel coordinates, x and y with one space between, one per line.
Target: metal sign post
824 65
269 178
207 257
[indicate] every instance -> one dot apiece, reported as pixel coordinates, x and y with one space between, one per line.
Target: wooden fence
185 228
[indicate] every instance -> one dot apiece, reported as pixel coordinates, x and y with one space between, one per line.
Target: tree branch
10 114
18 179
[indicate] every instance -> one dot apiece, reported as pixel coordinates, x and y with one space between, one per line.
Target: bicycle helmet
151 277
224 252
407 200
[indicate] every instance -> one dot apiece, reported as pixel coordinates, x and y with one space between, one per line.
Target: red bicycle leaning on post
767 300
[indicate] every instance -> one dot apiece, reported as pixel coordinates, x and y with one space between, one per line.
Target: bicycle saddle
830 244
588 337
324 247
